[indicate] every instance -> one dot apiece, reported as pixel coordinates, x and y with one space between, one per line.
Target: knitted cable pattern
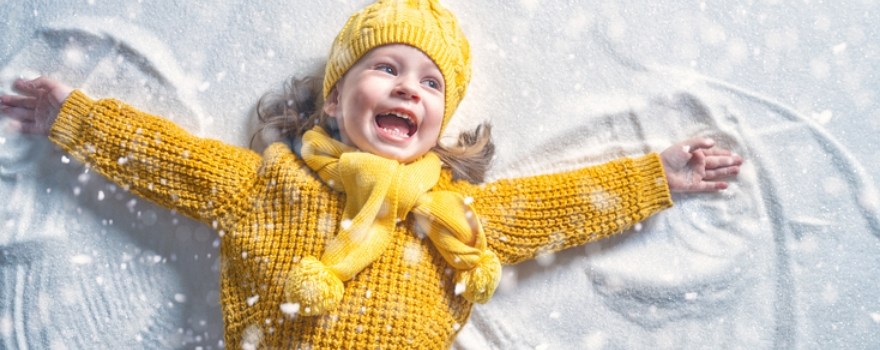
271 211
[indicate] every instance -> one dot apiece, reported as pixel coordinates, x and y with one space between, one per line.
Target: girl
362 231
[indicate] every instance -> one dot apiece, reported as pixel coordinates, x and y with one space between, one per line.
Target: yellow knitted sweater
271 210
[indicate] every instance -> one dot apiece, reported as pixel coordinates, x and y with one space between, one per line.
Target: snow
290 309
412 253
81 259
787 257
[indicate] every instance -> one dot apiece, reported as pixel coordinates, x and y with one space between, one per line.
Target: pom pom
481 281
315 288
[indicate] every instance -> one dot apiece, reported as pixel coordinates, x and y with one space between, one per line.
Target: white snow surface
787 258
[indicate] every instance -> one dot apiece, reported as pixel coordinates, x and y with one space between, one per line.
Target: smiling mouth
396 124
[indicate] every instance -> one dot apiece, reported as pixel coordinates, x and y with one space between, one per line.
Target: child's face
390 103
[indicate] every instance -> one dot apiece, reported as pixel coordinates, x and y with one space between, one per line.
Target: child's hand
695 165
37 106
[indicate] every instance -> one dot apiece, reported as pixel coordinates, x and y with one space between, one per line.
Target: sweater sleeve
154 158
527 216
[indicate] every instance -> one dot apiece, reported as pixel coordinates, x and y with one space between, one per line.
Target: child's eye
432 83
386 68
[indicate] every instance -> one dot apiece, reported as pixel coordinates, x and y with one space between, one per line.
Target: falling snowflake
250 340
869 200
290 309
594 341
830 294
130 205
459 288
604 200
545 258
81 259
412 253
345 224
74 56
823 117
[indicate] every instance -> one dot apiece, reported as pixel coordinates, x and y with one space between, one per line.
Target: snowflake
250 340
412 253
290 309
81 259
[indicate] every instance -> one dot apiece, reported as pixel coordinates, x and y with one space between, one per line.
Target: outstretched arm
36 108
696 165
527 216
148 155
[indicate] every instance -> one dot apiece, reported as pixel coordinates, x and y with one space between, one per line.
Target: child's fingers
715 186
19 101
698 143
707 146
716 161
15 125
707 186
17 113
26 87
721 173
717 152
27 126
21 127
35 87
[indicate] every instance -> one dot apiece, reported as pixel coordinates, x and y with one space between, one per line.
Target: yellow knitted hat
422 24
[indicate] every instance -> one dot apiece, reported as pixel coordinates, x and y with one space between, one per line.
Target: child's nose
407 90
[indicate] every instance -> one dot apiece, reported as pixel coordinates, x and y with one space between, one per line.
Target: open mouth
396 124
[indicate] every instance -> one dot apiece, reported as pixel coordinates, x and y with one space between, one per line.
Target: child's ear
331 104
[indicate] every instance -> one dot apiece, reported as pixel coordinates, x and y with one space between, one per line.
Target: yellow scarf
379 193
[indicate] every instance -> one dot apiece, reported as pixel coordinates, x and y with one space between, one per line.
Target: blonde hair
285 115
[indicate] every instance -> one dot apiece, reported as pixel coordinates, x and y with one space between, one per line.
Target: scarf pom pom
481 281
315 288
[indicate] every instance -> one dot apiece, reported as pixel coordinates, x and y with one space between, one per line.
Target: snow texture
787 258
